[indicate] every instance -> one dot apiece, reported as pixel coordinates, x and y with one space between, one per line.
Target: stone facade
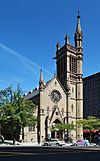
60 100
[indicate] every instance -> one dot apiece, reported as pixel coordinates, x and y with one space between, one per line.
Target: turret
41 82
57 46
66 39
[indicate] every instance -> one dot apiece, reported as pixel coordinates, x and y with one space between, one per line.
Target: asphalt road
51 156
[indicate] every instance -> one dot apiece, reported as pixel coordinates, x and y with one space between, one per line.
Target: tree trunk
14 139
23 134
90 137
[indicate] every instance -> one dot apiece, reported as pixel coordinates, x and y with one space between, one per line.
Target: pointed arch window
73 64
72 107
48 110
62 111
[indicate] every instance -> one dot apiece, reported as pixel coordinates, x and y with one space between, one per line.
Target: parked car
81 142
9 142
54 142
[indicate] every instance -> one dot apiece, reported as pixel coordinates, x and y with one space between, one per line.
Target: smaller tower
66 39
41 132
41 82
58 46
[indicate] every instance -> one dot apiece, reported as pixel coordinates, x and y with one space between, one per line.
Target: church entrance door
56 133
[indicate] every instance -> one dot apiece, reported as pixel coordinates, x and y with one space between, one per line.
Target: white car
9 142
53 142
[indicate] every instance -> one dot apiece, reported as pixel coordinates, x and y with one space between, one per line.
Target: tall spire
78 27
41 76
78 34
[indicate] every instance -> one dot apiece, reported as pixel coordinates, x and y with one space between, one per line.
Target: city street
66 156
38 153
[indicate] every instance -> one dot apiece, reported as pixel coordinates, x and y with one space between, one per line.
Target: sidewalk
30 144
10 143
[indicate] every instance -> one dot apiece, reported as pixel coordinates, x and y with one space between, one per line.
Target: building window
31 128
78 94
48 110
42 110
78 111
72 89
62 111
72 108
73 65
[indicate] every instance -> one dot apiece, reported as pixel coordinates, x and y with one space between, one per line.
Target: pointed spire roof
66 39
41 75
58 46
41 82
78 27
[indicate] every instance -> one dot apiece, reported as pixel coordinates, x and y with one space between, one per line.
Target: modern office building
60 100
91 95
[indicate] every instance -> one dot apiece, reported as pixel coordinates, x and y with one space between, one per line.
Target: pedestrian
14 140
96 139
98 143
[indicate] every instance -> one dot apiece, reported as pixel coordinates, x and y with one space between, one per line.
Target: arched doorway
56 133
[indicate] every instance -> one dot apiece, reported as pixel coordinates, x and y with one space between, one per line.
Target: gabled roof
35 92
49 82
32 94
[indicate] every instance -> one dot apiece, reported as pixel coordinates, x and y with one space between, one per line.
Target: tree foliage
16 111
91 123
65 126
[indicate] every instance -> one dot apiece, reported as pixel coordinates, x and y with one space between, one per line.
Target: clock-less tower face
62 68
55 96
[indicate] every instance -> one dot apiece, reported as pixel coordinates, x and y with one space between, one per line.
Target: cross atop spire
78 27
78 14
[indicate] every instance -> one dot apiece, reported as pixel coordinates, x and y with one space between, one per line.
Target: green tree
65 126
91 123
16 112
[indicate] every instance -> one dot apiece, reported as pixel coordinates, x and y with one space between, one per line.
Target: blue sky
29 31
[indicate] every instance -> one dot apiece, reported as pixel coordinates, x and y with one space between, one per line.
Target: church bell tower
69 61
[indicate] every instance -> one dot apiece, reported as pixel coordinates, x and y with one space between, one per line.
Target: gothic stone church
60 100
